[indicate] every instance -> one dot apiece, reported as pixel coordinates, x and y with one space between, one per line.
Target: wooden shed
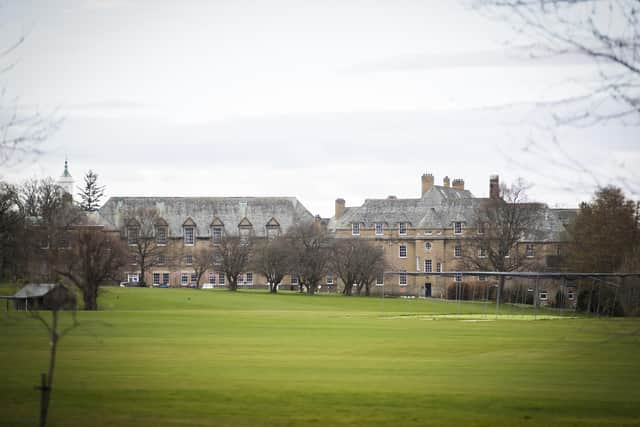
43 296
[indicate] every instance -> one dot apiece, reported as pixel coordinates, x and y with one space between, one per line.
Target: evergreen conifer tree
91 194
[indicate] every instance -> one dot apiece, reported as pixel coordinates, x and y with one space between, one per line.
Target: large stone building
184 224
431 233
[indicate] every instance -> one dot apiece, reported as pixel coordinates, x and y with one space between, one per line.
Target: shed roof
35 290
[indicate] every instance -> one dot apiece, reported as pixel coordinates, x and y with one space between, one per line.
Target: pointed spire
66 167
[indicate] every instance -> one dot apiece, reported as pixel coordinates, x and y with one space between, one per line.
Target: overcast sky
313 99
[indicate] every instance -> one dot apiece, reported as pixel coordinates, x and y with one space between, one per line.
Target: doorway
427 290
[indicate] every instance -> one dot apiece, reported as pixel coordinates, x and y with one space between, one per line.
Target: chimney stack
340 203
458 184
494 187
427 182
446 182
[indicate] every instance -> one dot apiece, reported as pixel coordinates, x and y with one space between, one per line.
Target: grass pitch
178 357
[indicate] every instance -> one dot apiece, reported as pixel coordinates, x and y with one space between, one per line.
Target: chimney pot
494 187
340 206
427 182
458 184
446 182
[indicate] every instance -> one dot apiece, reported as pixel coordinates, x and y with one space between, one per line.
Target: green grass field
177 357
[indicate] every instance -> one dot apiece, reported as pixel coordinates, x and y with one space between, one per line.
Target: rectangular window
217 234
188 259
161 235
379 230
457 227
194 279
294 279
457 251
240 279
132 235
428 266
165 278
132 277
402 228
571 294
221 279
184 279
438 267
529 250
162 259
189 235
402 278
156 279
329 279
212 278
355 229
543 295
403 251
380 280
482 253
249 278
458 277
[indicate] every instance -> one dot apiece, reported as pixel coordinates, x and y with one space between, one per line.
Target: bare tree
203 260
12 229
502 224
21 132
312 247
356 262
231 256
273 259
147 235
92 258
605 32
58 302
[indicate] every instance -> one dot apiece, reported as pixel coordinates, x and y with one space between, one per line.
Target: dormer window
402 228
355 229
189 235
457 227
161 235
273 228
132 235
216 233
245 229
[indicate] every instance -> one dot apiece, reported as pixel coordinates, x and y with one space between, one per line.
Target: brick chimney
494 187
340 203
427 182
458 184
446 182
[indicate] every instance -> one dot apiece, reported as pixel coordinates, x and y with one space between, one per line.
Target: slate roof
438 208
203 211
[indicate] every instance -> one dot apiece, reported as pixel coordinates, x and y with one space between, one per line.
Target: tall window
188 259
132 235
379 231
212 278
438 267
217 234
165 278
162 259
403 251
380 280
355 229
221 279
194 279
189 235
156 279
402 228
457 251
184 279
402 278
161 235
294 279
329 279
457 227
529 250
428 266
249 278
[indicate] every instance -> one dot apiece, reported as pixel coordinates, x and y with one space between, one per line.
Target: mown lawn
177 357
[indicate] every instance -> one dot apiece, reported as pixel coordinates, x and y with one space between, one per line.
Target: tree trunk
90 297
273 288
233 285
